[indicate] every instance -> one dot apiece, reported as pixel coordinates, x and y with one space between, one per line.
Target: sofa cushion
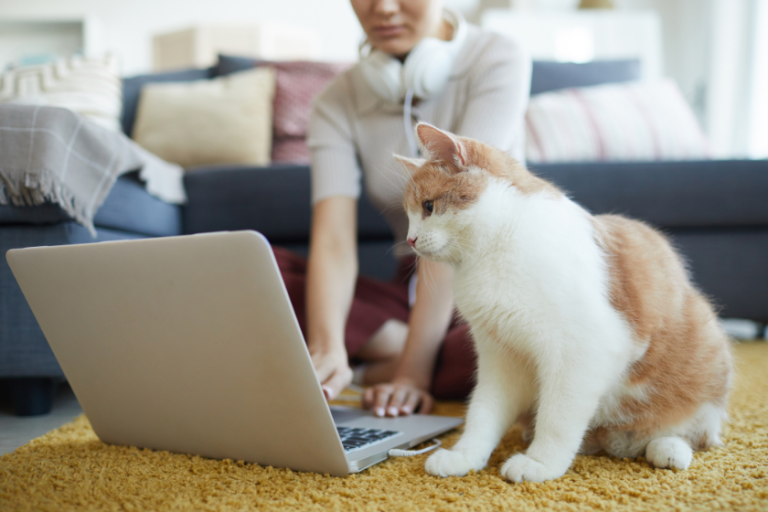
630 121
292 150
89 86
276 202
273 200
204 122
132 90
551 76
128 208
298 83
729 266
690 194
228 64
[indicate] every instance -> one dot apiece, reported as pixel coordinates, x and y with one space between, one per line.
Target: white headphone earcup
384 74
428 68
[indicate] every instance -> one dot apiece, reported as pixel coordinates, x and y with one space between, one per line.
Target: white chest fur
532 260
534 279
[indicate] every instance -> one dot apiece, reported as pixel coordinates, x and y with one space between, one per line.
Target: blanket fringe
22 188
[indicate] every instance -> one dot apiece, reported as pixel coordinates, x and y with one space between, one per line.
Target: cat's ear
412 164
440 145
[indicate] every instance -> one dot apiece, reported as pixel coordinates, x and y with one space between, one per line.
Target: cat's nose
412 242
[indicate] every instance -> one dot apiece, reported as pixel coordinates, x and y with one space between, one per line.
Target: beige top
352 129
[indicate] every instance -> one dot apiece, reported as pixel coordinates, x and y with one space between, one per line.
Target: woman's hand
402 396
408 391
332 370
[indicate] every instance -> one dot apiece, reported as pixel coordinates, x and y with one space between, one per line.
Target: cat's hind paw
521 468
451 463
669 452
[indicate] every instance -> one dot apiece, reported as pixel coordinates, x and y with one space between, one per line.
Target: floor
17 431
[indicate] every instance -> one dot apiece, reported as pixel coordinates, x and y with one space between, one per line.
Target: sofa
714 211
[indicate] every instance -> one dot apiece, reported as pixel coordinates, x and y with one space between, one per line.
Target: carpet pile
70 469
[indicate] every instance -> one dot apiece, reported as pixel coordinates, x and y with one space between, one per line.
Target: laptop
190 344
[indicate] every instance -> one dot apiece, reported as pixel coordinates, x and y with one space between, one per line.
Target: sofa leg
31 396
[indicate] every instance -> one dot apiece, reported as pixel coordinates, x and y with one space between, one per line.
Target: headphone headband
426 69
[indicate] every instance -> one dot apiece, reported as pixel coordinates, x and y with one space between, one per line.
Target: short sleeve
335 168
499 86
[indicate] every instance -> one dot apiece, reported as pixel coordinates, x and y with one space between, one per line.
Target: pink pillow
291 150
297 85
628 121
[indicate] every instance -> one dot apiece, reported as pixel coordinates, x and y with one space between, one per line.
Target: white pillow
91 87
629 121
222 120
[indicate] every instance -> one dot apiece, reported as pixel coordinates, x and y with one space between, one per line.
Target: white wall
686 35
128 25
758 142
728 87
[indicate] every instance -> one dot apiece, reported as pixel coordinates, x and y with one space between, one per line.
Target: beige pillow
222 120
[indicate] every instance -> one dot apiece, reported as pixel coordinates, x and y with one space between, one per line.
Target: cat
588 323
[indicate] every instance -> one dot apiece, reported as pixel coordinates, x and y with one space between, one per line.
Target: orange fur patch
688 360
452 187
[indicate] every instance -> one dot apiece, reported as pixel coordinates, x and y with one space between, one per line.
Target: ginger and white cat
588 322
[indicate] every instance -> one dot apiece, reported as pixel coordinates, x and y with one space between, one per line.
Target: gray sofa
716 212
28 369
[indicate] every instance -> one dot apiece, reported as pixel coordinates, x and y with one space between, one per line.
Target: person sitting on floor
419 62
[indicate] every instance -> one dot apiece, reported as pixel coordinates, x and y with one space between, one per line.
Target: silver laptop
190 344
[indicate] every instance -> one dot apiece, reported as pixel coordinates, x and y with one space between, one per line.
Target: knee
387 342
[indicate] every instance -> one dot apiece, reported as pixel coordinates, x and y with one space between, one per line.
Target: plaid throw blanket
50 154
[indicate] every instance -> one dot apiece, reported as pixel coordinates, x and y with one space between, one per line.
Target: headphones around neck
426 68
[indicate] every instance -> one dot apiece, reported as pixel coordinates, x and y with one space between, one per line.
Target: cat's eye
428 207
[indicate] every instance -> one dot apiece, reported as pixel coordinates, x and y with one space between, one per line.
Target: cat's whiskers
403 175
394 205
404 178
394 247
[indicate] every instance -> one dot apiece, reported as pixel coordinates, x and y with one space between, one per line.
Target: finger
338 381
368 396
322 369
381 400
396 401
426 403
411 403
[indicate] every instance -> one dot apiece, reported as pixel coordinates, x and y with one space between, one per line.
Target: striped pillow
630 121
91 87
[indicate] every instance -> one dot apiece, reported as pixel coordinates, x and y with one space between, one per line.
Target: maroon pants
374 303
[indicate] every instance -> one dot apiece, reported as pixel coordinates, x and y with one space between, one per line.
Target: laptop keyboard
358 438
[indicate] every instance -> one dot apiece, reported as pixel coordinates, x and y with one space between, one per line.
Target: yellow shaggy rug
70 469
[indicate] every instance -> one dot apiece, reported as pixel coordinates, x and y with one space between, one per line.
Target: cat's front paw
451 463
669 452
522 468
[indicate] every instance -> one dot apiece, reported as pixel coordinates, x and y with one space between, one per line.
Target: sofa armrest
684 194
